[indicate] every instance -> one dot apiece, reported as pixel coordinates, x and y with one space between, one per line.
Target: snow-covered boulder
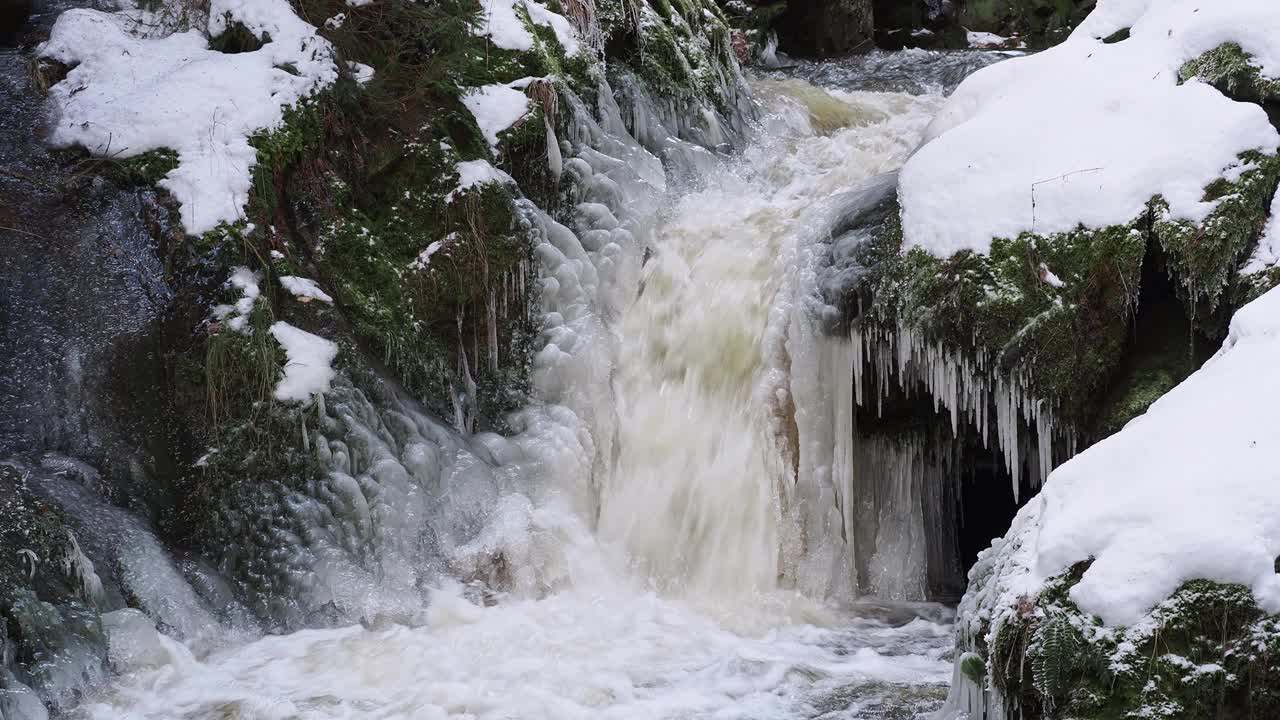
1143 579
1123 178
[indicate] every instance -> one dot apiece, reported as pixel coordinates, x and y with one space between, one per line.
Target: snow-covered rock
1086 133
130 92
1190 491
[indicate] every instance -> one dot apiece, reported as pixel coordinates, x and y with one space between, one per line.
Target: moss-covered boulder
1208 651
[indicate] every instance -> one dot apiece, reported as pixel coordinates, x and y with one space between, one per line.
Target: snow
305 289
474 173
1267 254
360 72
1190 490
984 39
497 107
500 21
246 281
309 366
127 94
423 261
1047 276
1087 132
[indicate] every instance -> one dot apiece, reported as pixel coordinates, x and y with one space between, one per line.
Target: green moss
1205 258
146 169
1149 385
1071 342
1064 340
683 51
1232 71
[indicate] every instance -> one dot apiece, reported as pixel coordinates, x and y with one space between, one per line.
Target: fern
1057 656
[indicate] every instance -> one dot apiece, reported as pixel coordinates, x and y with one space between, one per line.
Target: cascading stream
702 578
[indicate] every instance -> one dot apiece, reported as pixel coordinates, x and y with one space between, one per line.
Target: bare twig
1063 176
24 232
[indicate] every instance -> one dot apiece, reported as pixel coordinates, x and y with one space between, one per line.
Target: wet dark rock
13 16
825 28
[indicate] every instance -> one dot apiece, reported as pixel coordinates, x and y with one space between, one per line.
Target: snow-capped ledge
128 94
1087 132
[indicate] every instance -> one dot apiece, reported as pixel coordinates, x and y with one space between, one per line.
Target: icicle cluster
877 513
969 388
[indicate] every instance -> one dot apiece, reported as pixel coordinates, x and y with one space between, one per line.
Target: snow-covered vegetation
138 84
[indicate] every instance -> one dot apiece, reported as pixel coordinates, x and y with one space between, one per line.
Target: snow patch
475 173
1190 490
423 261
1087 132
246 281
501 23
305 289
985 39
308 369
360 72
497 107
128 94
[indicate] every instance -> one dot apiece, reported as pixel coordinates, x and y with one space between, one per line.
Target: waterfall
684 520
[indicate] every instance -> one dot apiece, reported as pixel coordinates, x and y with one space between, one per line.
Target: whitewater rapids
679 599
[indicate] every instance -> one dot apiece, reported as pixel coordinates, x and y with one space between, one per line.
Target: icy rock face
379 501
1164 535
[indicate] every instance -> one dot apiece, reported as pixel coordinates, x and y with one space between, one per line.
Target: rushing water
699 580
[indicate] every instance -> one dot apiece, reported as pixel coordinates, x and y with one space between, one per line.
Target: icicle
80 568
492 317
554 161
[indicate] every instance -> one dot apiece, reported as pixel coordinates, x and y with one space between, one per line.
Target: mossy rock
1206 652
1232 71
1064 335
49 629
1058 311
